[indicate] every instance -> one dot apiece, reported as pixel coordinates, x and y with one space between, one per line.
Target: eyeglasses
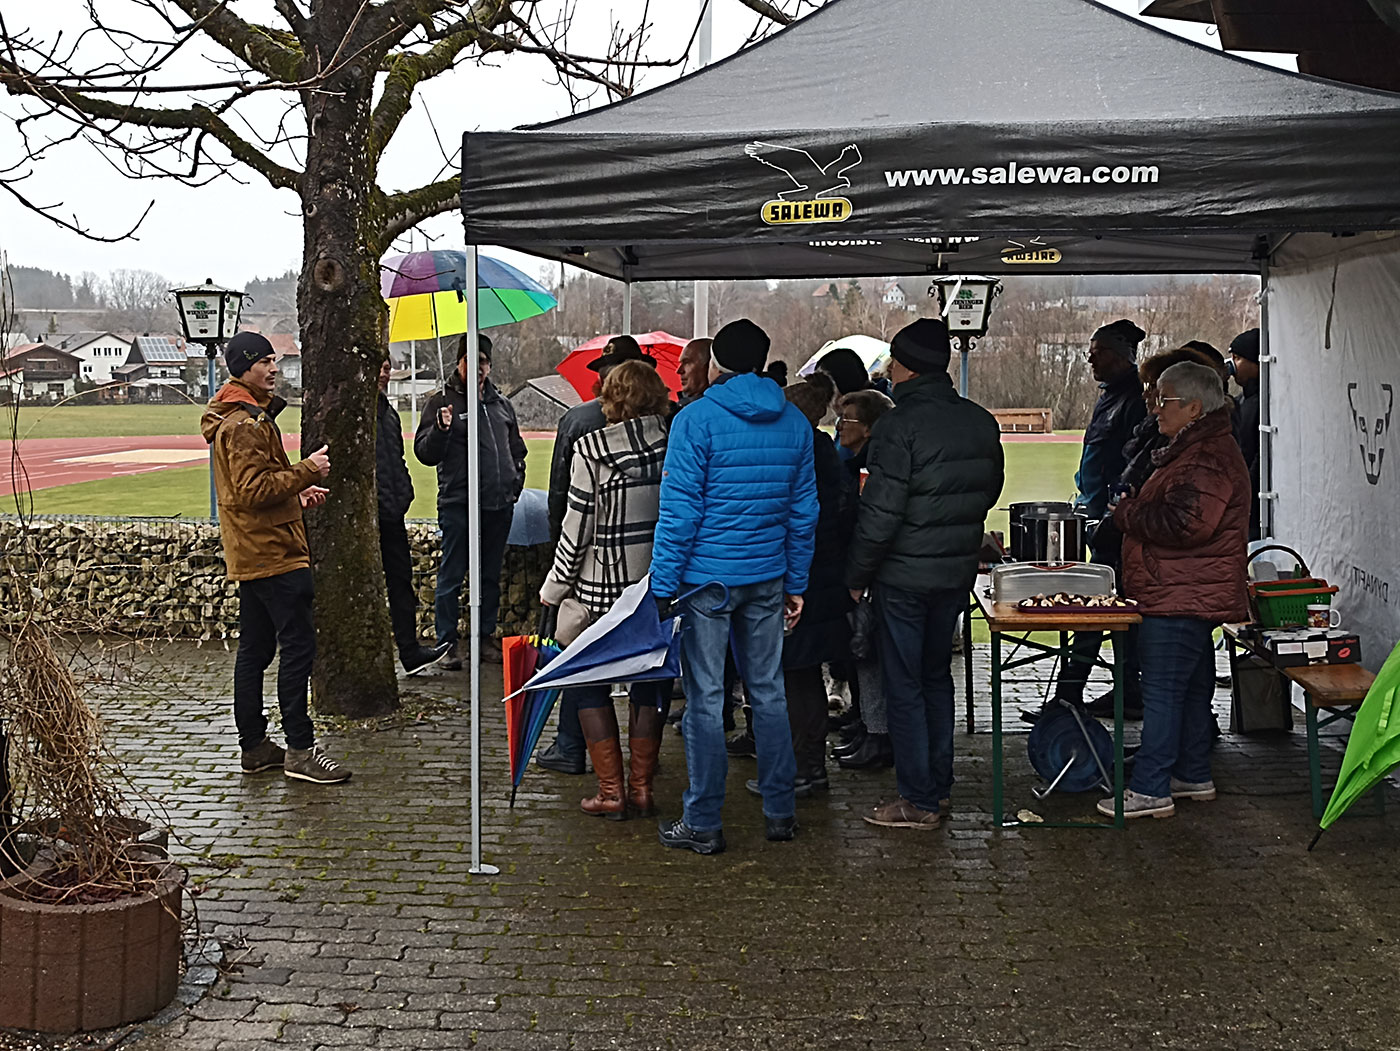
1159 401
846 419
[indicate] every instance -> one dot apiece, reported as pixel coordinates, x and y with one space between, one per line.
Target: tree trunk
342 330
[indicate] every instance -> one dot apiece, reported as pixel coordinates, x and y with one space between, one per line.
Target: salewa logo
816 192
1370 415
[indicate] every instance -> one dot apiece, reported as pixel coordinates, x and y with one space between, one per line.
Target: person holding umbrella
605 545
441 442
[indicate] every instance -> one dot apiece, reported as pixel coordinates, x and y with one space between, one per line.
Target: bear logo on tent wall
1370 415
823 182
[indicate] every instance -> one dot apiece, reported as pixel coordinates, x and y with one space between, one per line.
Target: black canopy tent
883 137
898 137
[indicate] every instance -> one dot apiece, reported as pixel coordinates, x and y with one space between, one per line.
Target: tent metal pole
626 307
474 562
701 297
962 366
1267 493
413 385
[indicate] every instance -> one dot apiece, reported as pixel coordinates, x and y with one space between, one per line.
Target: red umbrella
662 346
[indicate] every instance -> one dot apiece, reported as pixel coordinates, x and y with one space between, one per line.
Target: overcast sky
233 233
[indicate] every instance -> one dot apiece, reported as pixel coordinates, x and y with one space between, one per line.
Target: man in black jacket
1244 357
936 469
1117 413
441 442
395 496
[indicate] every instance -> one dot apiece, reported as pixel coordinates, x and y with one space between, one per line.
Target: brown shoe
644 747
263 756
491 650
600 734
902 814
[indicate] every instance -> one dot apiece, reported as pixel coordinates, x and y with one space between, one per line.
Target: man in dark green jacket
935 464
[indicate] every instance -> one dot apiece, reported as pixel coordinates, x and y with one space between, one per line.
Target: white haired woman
1184 541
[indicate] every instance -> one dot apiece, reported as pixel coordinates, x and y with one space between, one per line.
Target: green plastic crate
1284 603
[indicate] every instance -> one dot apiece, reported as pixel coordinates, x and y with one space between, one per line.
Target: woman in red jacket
1184 553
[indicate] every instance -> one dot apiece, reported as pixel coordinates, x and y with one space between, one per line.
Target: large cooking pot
1021 551
1054 536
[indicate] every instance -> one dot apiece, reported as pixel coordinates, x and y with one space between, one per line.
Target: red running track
51 462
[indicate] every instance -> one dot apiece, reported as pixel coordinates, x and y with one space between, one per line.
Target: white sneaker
1135 804
1200 791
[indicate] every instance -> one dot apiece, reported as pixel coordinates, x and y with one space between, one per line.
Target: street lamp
209 317
965 304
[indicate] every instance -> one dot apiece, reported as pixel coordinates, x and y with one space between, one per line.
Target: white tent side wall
1335 332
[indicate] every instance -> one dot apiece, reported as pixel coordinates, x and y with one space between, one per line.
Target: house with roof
155 369
39 373
99 352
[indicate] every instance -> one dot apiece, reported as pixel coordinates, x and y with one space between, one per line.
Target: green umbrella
1373 749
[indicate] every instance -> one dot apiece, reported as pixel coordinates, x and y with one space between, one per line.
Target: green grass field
185 490
116 421
1034 471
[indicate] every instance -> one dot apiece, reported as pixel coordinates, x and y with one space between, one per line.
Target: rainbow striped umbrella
424 291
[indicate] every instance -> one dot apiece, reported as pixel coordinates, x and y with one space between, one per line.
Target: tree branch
401 212
768 11
275 54
197 118
407 71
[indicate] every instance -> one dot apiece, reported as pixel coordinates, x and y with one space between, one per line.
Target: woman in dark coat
1184 541
822 634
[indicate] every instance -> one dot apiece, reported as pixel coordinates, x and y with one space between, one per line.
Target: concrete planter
71 968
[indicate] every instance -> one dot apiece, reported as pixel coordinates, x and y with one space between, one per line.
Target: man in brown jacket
261 495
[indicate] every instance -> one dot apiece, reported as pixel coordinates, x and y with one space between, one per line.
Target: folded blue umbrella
529 523
629 643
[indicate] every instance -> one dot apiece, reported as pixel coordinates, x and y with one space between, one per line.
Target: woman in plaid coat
605 546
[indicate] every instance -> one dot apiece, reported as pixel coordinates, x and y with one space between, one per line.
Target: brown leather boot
600 734
644 745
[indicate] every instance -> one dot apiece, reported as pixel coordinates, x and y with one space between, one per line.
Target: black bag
862 622
1260 701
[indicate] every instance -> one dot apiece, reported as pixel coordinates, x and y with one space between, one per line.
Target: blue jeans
447 605
914 633
756 611
1178 684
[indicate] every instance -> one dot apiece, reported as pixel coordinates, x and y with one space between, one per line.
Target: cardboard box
1296 648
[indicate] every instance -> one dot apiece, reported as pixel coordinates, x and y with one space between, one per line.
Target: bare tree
310 103
135 300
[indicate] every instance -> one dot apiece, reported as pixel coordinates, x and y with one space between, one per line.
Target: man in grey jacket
441 442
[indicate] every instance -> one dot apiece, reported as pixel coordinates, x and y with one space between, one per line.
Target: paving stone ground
354 921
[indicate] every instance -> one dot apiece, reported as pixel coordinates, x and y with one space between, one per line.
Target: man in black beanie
441 442
735 536
1113 360
936 469
1244 361
261 495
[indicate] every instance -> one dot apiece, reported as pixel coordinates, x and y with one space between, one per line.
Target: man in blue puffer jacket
738 508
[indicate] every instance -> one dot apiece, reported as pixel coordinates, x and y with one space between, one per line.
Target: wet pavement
351 920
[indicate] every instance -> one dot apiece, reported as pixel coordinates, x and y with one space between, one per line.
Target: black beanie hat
243 349
923 346
1246 345
1122 336
741 346
483 344
846 370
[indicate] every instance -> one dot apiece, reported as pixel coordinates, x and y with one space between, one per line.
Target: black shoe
421 657
1101 707
852 746
853 734
451 661
554 758
681 836
741 746
780 829
875 751
844 721
802 787
1032 715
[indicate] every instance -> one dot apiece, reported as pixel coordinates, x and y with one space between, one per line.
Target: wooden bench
1336 689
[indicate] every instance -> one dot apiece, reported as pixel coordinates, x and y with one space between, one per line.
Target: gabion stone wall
168 576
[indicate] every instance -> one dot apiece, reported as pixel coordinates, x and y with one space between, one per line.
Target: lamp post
209 316
965 305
